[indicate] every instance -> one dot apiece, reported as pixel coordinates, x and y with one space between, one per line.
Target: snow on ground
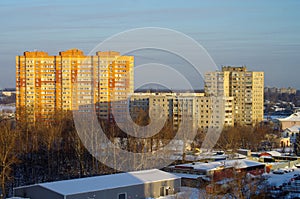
292 196
272 180
279 179
190 193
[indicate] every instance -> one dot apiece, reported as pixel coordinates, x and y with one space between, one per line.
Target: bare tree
8 153
230 139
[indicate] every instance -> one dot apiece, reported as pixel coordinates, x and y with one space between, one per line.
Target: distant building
246 87
288 90
216 171
204 111
285 142
289 136
132 185
245 152
8 92
71 80
269 156
290 121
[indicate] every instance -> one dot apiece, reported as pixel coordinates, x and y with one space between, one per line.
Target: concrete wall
134 191
36 192
154 189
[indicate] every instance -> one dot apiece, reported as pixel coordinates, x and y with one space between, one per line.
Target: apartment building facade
70 81
202 111
246 87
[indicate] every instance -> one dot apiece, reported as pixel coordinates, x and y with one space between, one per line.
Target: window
122 195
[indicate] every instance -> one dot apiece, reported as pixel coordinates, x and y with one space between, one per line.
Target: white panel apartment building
246 87
203 111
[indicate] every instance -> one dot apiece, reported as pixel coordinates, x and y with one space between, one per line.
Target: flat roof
201 166
90 184
238 163
189 176
244 163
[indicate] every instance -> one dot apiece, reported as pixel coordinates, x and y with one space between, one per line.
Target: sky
263 35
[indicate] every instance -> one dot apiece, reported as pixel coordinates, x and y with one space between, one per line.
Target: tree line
43 151
52 150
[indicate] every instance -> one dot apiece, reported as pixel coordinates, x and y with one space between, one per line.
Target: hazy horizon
263 35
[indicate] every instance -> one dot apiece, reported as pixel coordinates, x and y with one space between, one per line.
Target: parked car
279 171
296 175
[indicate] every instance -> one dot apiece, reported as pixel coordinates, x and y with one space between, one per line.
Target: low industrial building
139 185
275 156
199 172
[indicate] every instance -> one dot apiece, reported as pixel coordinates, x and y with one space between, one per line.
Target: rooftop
240 164
295 128
293 117
84 185
271 153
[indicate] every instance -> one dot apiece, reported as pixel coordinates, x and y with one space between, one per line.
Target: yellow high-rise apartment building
46 83
246 87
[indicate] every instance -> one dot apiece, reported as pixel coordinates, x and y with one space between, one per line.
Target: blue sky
263 35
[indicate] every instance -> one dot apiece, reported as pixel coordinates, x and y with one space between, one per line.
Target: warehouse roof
89 184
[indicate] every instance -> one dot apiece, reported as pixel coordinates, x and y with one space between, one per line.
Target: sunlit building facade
70 80
204 112
246 87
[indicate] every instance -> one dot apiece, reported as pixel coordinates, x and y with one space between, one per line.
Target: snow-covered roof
245 150
84 185
240 163
295 128
264 156
273 153
201 166
244 163
293 117
189 176
239 156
